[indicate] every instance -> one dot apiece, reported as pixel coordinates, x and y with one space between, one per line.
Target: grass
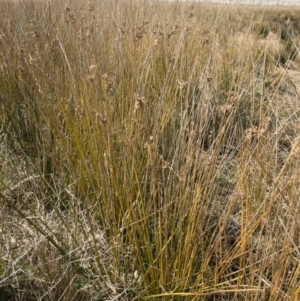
149 151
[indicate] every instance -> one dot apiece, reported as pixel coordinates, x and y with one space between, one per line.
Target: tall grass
149 152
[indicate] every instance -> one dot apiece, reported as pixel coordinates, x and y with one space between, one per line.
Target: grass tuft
149 151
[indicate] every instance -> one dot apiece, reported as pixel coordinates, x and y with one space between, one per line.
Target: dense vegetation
149 151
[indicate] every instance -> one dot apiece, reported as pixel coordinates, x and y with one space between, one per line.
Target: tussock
149 151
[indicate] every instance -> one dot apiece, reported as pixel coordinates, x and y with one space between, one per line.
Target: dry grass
149 151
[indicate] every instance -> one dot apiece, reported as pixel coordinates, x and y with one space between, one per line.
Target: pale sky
253 2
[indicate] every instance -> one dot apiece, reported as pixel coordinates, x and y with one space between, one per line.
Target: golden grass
149 151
